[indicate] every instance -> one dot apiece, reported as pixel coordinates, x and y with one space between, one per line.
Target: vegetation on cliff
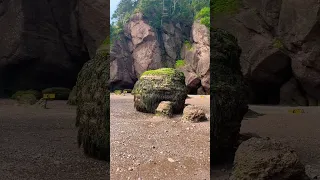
177 11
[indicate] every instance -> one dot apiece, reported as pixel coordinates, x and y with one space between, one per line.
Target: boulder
154 86
18 94
93 110
164 109
197 58
193 114
27 99
228 100
264 159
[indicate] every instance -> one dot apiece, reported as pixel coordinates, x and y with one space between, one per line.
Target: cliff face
141 48
280 43
44 43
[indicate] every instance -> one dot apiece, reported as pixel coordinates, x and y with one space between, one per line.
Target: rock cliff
140 47
280 42
44 43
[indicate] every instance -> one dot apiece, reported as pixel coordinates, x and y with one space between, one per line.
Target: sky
113 7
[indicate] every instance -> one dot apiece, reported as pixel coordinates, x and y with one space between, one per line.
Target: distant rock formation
280 43
142 48
44 43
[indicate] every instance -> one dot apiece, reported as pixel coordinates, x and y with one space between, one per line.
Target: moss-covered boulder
18 94
154 86
229 98
60 92
93 111
27 99
72 100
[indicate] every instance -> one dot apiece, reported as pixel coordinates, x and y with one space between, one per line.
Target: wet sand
148 147
41 144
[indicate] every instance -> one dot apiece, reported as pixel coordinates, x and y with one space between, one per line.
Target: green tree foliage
225 6
182 11
204 16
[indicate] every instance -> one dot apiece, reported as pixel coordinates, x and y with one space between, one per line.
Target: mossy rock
72 100
27 99
18 94
60 92
93 101
154 86
229 95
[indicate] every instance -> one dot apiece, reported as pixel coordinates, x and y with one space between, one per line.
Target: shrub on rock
154 86
60 92
228 100
92 91
264 159
193 113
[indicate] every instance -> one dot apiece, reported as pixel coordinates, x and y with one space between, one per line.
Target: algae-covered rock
18 94
27 99
228 100
93 111
154 86
72 100
61 93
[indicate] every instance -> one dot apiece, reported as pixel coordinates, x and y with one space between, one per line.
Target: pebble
130 169
171 160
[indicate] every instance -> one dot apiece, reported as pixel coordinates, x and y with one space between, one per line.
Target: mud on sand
300 131
148 147
41 144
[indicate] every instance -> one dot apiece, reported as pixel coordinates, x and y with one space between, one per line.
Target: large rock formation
197 59
280 41
228 98
142 48
44 43
154 86
93 102
264 159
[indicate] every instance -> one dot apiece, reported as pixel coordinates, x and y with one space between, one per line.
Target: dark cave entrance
264 93
36 74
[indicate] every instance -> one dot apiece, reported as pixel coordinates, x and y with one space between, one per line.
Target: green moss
188 45
117 92
225 6
179 63
162 71
277 43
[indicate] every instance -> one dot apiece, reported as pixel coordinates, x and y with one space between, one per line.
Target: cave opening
264 93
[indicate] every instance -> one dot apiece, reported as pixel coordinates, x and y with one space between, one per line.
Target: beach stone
164 109
265 159
194 114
